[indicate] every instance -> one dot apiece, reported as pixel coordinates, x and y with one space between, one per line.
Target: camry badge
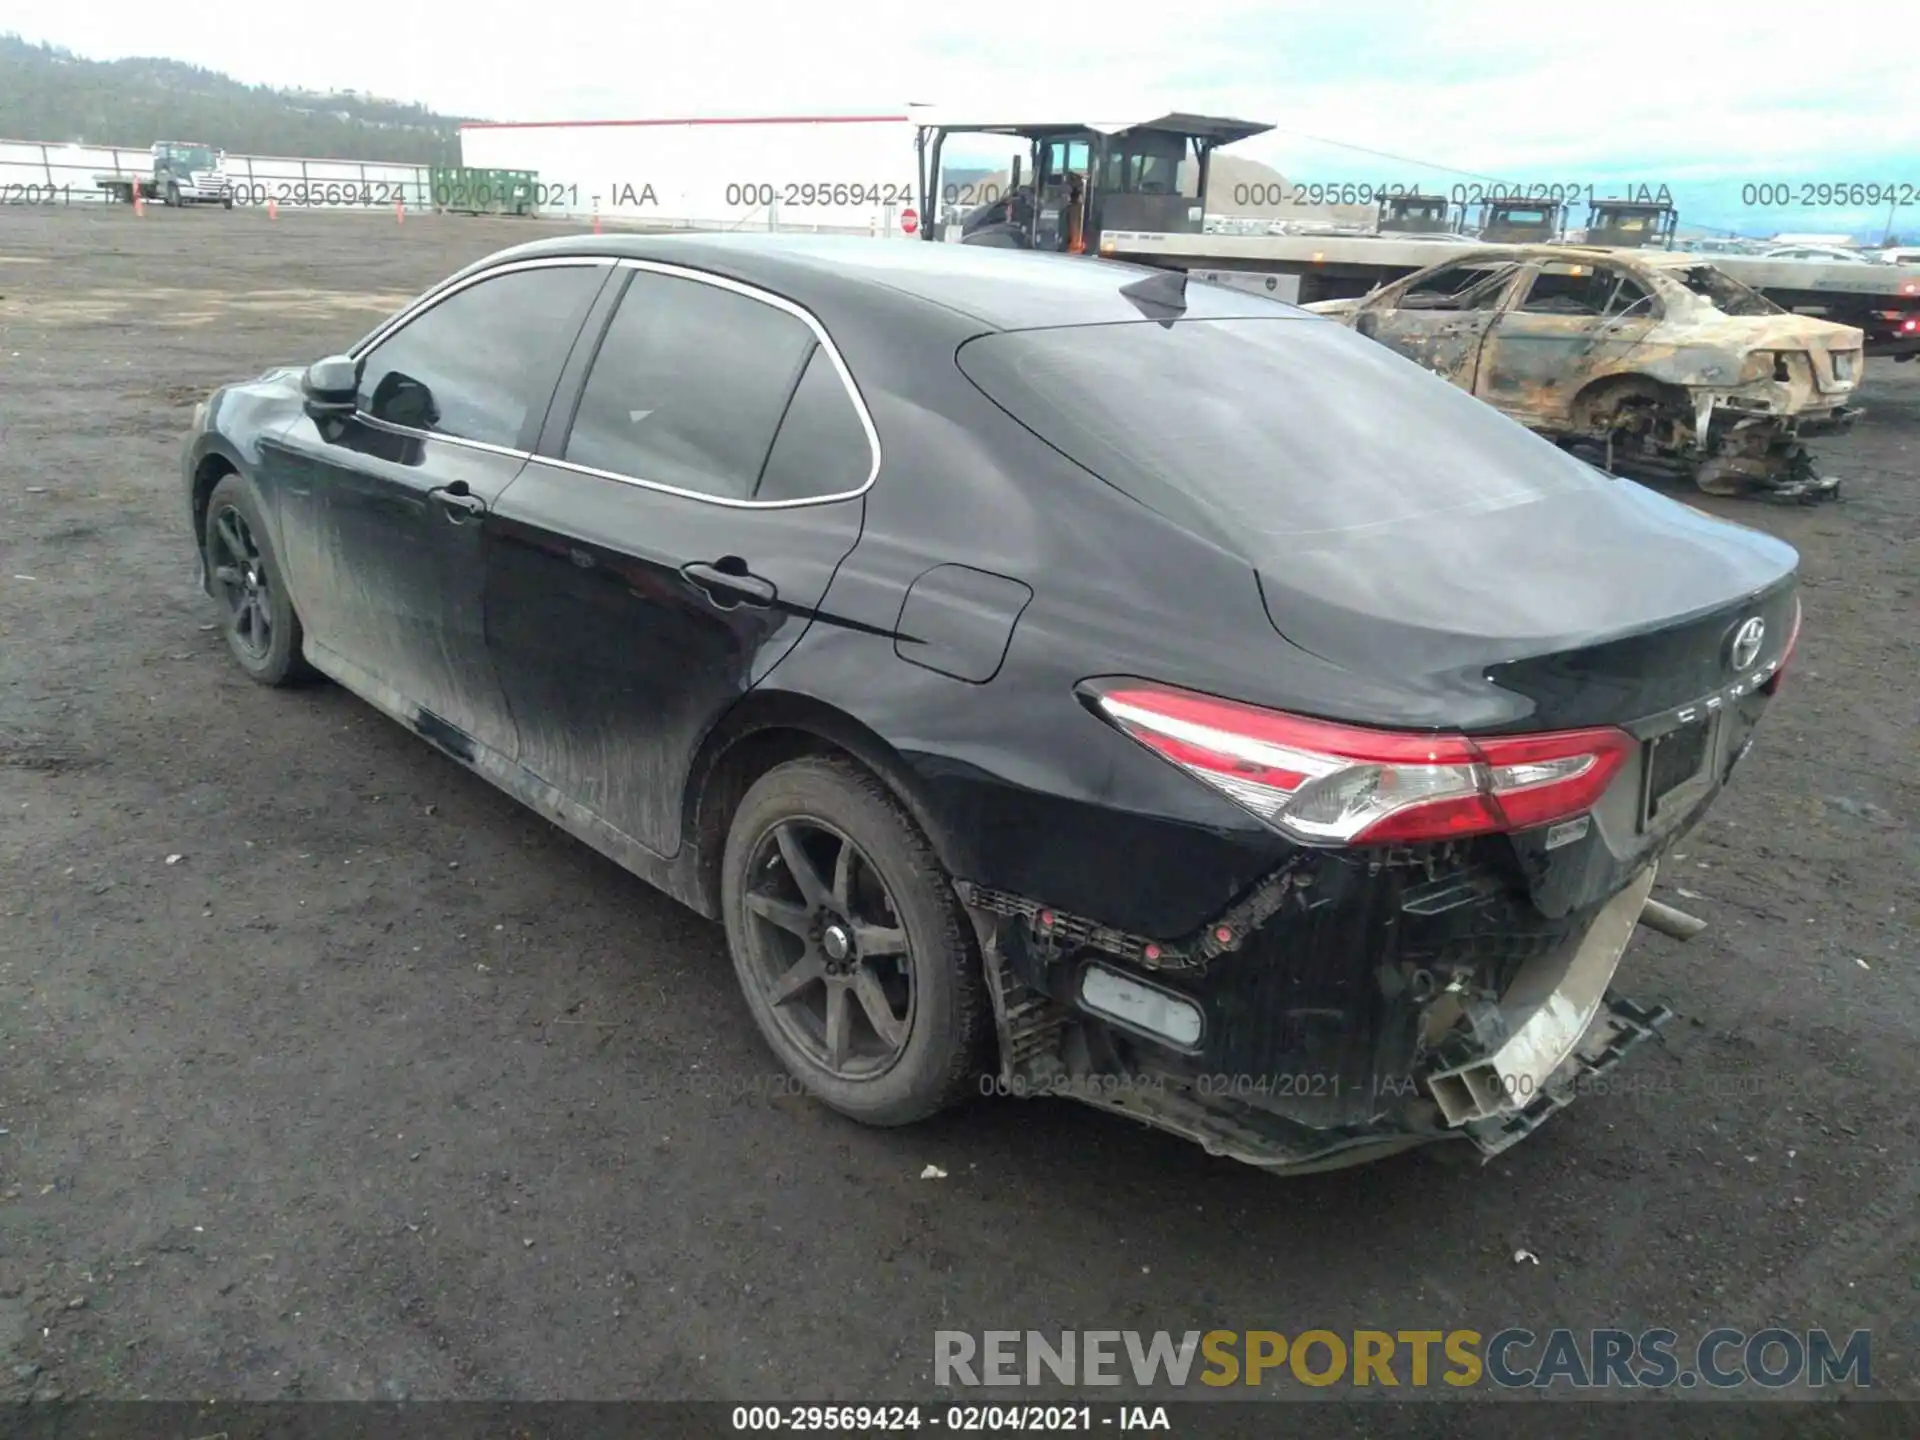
1746 643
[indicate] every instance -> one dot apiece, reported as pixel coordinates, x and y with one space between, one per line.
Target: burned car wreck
1052 674
1653 362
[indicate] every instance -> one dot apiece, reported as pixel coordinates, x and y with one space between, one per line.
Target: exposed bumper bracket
1624 1025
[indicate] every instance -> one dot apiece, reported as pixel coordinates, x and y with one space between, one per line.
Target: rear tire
262 628
906 1036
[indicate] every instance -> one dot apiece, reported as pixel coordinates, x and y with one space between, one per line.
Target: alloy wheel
244 584
829 949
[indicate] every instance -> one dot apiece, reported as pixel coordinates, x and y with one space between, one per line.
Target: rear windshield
1280 427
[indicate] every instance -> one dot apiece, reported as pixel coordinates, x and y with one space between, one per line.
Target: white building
856 173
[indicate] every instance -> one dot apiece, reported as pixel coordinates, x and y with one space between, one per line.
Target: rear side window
822 447
689 386
483 361
1727 294
1267 430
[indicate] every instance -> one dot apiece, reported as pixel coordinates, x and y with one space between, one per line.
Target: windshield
1252 431
193 157
1726 293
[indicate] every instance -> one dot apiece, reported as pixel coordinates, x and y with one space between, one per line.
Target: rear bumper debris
1445 1034
1622 1027
1529 1047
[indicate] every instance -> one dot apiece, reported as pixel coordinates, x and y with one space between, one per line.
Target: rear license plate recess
1674 759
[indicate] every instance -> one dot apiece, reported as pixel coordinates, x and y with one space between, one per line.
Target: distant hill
51 94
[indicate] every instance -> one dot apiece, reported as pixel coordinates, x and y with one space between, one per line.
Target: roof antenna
1161 297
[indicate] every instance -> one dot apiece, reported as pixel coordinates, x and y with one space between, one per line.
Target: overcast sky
1657 90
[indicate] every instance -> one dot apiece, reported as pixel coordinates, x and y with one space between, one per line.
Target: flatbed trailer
1883 301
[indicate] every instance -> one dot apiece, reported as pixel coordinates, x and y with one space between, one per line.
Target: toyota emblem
1747 641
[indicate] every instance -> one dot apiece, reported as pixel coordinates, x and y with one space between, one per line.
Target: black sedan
1059 678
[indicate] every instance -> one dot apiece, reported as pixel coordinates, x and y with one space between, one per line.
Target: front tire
851 950
173 195
262 628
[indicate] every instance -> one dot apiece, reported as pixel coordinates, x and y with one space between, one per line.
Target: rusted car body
1655 359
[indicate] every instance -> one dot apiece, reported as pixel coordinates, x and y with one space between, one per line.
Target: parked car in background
1655 358
1053 674
1827 254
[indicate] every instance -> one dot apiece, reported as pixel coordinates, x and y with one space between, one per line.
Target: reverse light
1329 784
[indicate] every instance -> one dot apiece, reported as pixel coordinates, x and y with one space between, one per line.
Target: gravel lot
329 1072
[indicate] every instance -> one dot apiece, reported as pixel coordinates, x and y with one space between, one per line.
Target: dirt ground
326 1071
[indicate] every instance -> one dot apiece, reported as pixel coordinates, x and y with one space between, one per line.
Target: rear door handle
731 586
459 503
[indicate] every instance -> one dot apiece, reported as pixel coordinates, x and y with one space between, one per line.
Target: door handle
729 583
459 503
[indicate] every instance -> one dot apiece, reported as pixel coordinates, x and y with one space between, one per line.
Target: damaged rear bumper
1480 1052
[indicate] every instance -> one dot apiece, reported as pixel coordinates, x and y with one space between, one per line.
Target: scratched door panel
615 663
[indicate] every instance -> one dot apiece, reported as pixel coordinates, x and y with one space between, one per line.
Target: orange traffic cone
138 208
273 210
399 212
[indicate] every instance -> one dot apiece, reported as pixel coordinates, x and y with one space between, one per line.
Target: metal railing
52 173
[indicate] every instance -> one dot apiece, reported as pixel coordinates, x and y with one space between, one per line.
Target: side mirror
330 387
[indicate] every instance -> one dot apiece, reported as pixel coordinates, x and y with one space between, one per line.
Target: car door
1439 319
1570 322
699 482
385 514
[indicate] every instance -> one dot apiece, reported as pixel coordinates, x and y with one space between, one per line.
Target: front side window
482 363
689 386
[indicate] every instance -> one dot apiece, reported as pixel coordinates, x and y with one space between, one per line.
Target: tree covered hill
47 93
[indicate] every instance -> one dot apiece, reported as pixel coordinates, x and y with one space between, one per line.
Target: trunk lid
1593 608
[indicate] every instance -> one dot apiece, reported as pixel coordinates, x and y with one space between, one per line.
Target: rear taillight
1772 684
1329 784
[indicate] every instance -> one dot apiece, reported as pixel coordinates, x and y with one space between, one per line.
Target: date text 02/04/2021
1306 1084
961 1419
15 193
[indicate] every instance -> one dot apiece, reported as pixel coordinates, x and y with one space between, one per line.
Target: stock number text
1828 192
319 192
811 193
862 1418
